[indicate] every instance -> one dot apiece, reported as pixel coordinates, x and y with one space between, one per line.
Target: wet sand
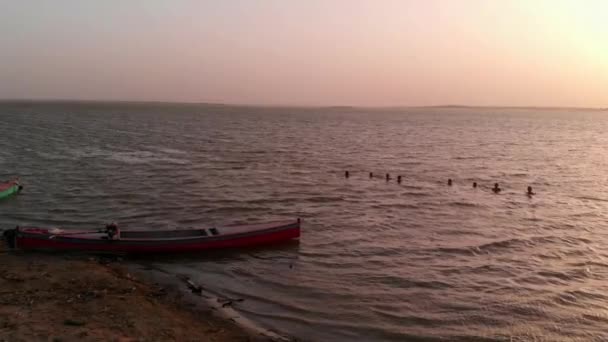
78 298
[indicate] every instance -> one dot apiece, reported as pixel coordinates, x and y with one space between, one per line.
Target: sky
308 52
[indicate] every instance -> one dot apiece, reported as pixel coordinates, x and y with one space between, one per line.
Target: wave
400 282
144 157
490 247
463 204
171 151
520 174
411 319
592 198
52 156
395 206
86 152
513 243
467 158
575 274
415 194
235 209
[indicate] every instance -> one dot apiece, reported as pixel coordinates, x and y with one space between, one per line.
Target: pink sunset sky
333 52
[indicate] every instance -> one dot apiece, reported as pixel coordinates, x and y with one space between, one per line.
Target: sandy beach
82 298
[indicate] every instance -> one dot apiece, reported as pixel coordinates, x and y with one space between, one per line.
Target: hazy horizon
313 54
144 102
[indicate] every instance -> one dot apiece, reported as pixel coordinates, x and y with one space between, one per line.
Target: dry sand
74 298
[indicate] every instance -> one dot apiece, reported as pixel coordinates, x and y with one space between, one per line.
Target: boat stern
10 237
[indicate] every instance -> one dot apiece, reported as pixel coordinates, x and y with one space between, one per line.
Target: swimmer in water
496 189
530 192
474 185
450 181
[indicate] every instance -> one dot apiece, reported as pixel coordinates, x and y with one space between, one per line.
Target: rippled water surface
377 260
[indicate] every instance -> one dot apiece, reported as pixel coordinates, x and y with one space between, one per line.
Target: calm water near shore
377 260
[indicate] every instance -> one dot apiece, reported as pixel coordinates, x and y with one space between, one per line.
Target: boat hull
9 189
225 238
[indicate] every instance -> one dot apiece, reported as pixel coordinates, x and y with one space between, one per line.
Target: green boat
8 189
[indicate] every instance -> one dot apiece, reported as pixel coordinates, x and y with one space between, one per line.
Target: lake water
377 260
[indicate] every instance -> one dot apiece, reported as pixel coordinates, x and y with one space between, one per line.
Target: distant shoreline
243 105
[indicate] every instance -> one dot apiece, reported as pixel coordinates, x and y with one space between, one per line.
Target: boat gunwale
157 241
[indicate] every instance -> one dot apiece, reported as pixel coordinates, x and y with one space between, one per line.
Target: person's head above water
496 189
474 184
530 192
449 181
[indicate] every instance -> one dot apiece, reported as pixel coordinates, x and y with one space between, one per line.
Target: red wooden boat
113 240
